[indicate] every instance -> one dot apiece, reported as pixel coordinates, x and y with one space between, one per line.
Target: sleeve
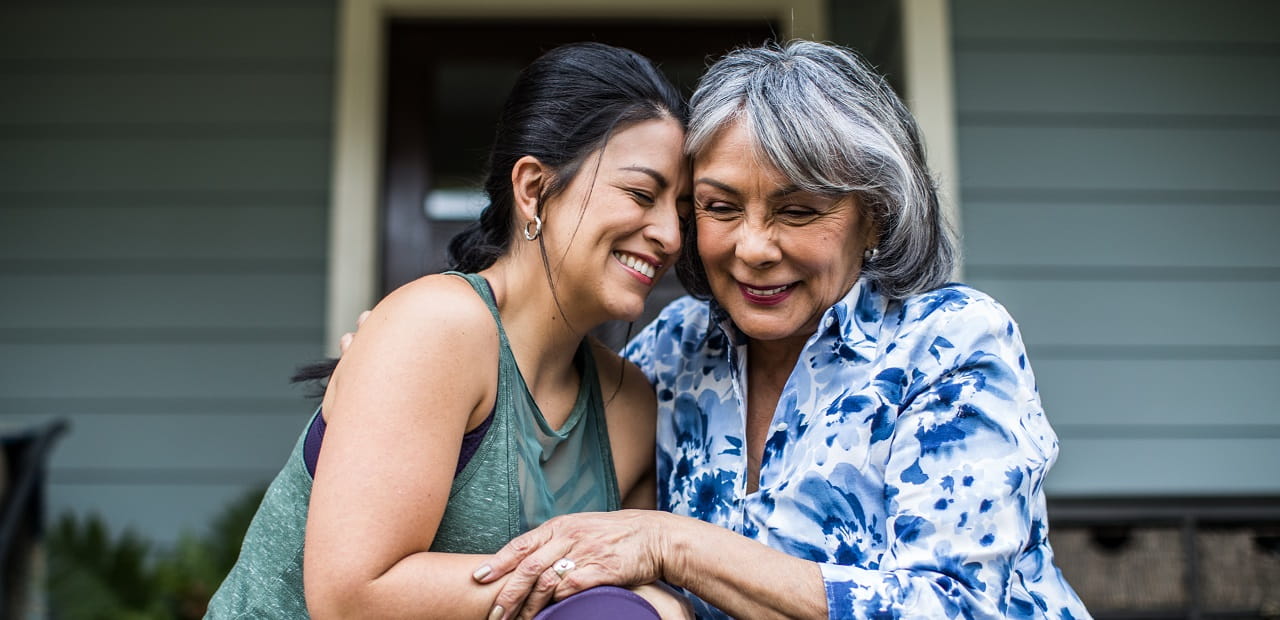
967 453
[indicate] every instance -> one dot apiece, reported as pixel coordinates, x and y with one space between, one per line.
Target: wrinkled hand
620 548
344 342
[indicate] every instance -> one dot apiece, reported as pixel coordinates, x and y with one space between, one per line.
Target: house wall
1119 195
164 174
163 204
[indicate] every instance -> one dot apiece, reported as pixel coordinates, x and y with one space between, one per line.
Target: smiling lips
766 296
638 266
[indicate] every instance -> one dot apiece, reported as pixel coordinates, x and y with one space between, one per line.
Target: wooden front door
446 81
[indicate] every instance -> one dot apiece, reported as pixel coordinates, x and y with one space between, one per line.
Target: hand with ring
562 566
572 553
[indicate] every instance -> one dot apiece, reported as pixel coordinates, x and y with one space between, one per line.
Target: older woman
841 434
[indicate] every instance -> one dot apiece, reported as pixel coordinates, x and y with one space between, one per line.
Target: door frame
352 272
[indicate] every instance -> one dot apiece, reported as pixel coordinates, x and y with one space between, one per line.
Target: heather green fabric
522 474
266 581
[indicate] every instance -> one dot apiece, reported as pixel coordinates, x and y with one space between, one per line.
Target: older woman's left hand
603 548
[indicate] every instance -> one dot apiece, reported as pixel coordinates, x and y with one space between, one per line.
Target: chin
628 315
625 309
766 330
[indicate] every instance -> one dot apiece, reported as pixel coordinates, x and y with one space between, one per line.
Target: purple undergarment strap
311 445
315 436
470 440
609 602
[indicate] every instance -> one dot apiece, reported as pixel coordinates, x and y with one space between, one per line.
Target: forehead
734 152
645 141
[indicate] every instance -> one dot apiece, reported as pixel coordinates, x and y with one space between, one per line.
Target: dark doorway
446 80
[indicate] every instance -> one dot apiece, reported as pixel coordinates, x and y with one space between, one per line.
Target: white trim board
931 94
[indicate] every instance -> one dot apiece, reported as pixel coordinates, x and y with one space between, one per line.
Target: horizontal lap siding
1151 394
164 177
1098 232
1103 313
284 300
1119 197
1167 467
174 447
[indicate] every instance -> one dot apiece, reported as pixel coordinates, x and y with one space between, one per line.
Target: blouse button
781 427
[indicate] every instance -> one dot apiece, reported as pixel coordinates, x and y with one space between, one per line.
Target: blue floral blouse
906 455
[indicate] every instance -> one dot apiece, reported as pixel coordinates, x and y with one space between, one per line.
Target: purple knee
609 602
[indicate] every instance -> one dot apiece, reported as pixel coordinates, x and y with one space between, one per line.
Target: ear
872 235
528 177
869 229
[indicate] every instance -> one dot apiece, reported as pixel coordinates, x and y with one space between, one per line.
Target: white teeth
639 265
766 292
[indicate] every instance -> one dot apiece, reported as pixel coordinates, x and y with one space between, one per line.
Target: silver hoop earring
870 254
537 228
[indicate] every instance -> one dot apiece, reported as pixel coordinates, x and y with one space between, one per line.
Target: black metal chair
25 457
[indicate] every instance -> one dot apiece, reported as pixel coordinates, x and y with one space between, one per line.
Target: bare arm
396 408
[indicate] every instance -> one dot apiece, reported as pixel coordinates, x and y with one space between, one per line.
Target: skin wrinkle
759 217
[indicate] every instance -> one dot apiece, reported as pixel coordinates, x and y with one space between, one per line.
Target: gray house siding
164 174
1120 197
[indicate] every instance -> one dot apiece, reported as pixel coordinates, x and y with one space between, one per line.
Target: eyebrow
657 176
774 195
718 185
785 190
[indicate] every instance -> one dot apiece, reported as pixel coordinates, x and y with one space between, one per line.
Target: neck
773 360
542 339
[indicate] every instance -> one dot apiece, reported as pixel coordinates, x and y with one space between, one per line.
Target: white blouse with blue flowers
906 455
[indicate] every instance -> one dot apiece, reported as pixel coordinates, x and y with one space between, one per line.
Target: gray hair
831 126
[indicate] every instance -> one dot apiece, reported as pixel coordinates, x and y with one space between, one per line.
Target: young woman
473 407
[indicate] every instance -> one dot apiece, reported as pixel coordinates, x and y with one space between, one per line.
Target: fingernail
481 573
496 613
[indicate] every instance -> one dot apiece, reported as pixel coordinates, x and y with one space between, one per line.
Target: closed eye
641 197
718 209
798 214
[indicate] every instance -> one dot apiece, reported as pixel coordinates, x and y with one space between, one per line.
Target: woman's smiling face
616 229
776 256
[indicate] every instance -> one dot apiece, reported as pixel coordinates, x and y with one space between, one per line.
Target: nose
664 229
756 245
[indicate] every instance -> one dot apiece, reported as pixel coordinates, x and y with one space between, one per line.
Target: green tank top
523 473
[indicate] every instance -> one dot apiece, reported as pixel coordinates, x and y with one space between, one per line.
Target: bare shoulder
430 336
436 305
